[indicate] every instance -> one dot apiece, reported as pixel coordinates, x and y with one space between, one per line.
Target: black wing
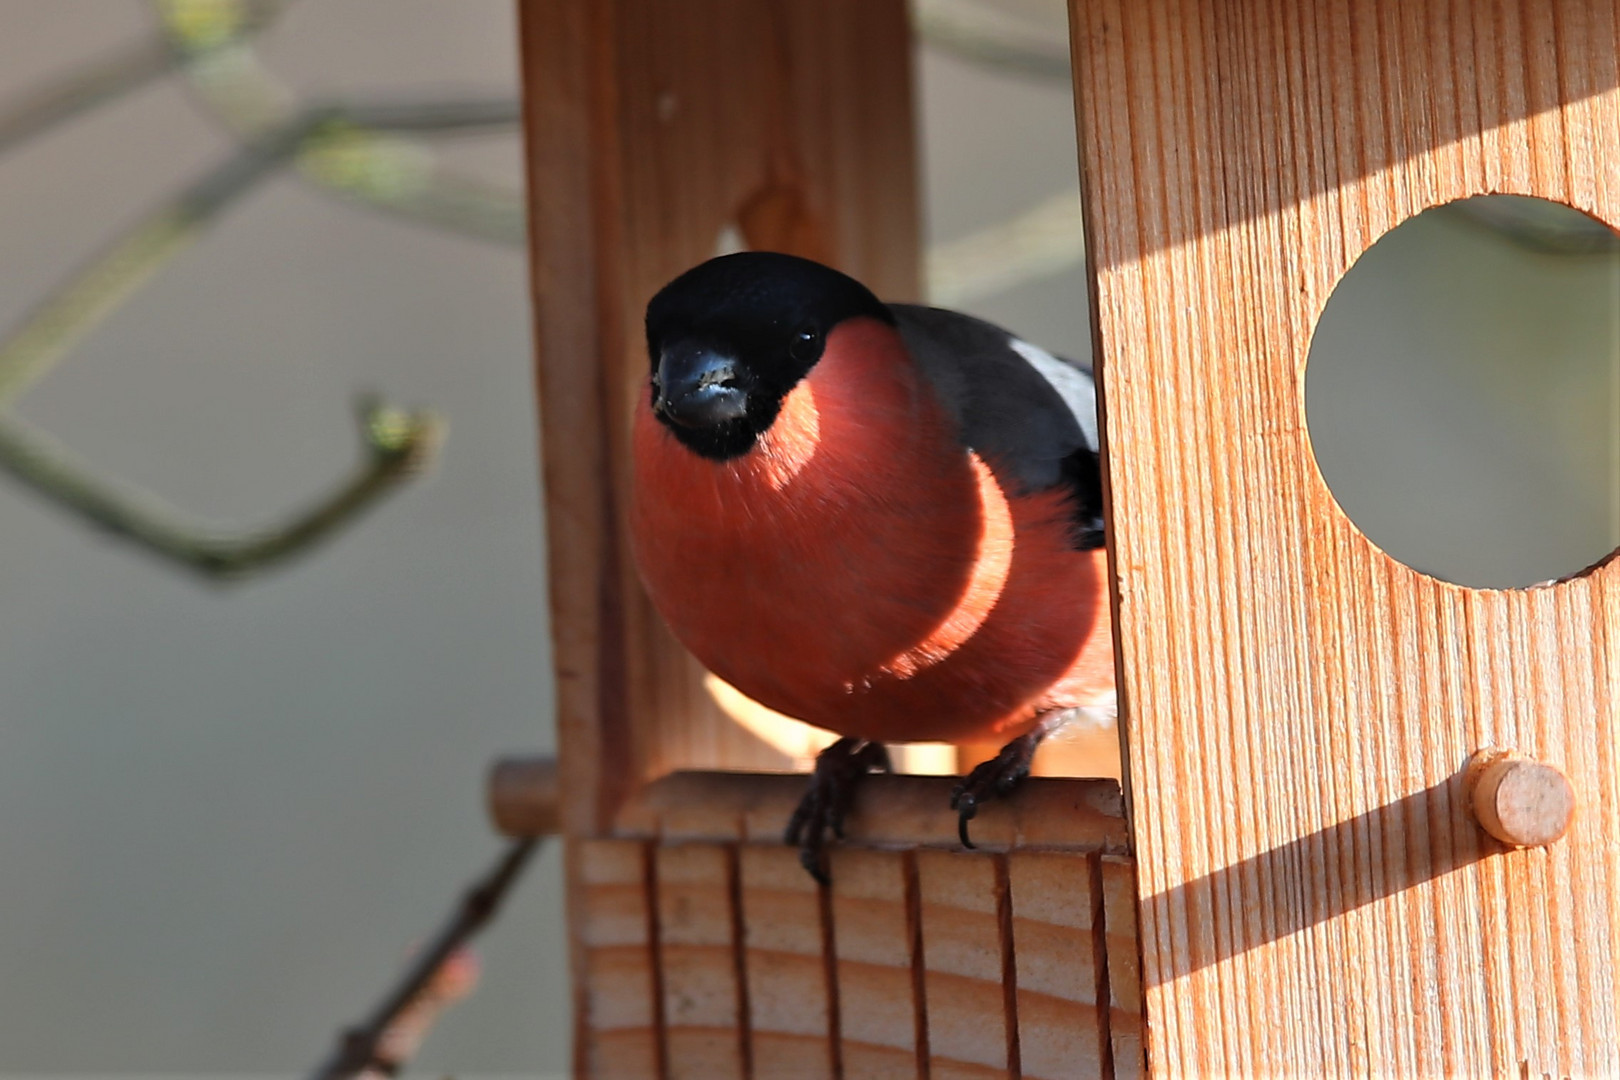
1032 413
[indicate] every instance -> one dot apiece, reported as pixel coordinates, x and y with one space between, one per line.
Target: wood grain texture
889 811
617 1012
1057 924
966 961
878 966
789 1001
705 1004
1122 946
1298 707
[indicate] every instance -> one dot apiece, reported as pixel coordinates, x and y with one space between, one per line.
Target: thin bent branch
104 79
396 445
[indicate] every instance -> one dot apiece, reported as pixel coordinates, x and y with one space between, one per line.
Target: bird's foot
839 769
996 778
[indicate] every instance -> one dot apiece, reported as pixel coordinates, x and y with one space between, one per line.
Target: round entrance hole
1463 392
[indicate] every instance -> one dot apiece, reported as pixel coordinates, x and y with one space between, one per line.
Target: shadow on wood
1324 875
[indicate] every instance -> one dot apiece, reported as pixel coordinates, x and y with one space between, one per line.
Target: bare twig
396 445
123 71
405 1033
326 134
371 163
65 315
435 117
357 1048
99 81
358 158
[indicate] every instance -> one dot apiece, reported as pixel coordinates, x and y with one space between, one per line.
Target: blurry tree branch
126 69
1041 242
403 1037
347 147
66 315
394 445
374 164
102 80
366 1048
984 34
327 134
363 158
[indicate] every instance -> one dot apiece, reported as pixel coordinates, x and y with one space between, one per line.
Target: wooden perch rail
525 796
889 812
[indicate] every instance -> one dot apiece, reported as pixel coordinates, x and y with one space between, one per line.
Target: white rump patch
1071 384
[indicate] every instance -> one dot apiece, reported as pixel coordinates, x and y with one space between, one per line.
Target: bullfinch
882 519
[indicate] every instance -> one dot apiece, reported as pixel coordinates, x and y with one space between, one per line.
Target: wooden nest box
1297 881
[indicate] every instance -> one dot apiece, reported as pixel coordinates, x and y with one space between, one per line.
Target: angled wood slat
965 966
1122 947
1060 961
1299 707
704 1004
882 1033
790 1010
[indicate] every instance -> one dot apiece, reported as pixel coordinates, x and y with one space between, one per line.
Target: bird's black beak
696 387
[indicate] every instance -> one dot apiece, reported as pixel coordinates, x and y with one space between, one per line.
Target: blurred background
227 812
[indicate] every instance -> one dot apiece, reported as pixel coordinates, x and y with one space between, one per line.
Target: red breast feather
859 569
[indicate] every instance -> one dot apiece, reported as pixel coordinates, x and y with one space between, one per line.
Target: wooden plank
1057 931
789 1000
1123 947
880 1013
1298 706
618 1014
705 1007
965 965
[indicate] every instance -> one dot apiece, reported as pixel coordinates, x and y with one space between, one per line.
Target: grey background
225 815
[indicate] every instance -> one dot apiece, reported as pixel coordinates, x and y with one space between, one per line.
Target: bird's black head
730 337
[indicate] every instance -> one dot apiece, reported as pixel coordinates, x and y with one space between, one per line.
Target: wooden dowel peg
1519 801
524 796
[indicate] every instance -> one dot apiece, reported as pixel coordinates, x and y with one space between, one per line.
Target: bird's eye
806 342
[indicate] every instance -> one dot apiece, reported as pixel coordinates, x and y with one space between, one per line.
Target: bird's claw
994 779
966 806
826 804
